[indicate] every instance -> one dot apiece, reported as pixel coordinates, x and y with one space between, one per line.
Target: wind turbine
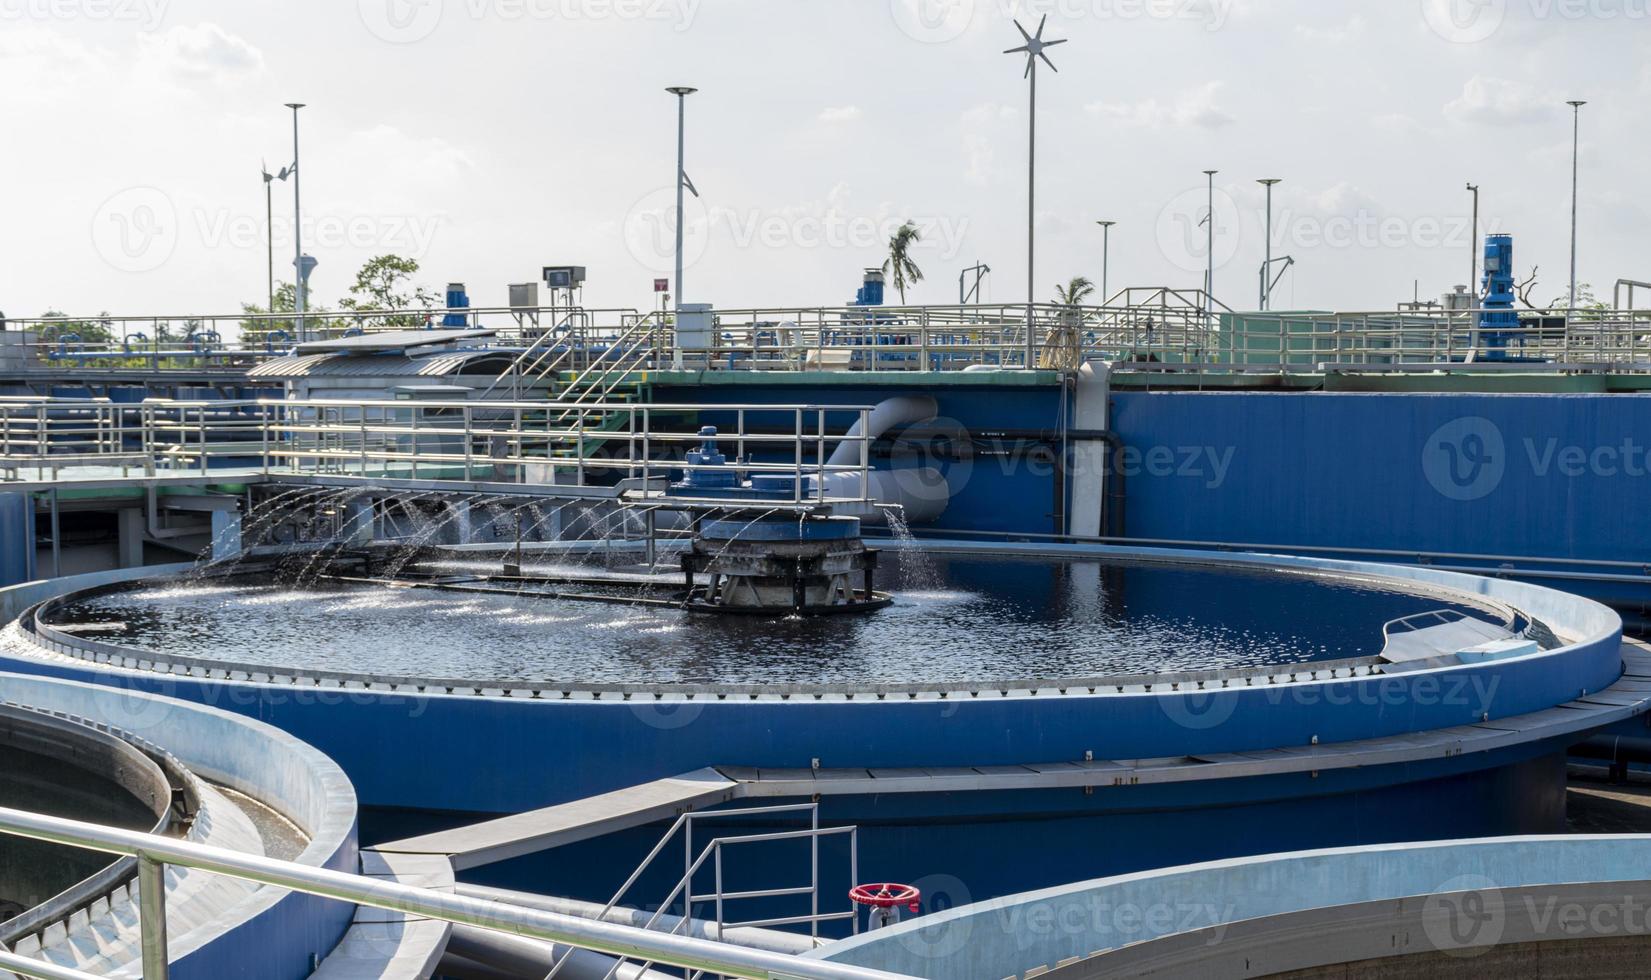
1034 50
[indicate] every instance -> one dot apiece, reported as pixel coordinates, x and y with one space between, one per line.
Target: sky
489 138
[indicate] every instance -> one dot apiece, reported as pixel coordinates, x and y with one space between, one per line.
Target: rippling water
953 619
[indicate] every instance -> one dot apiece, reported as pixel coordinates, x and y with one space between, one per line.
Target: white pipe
888 413
921 492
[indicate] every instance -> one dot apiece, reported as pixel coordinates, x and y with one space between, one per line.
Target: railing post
152 916
469 447
718 846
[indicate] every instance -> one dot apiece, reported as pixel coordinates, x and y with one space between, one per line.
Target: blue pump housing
870 292
457 299
1498 323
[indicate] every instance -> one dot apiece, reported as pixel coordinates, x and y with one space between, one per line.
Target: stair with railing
719 898
595 367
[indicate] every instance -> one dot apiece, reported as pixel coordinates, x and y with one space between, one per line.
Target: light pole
682 184
1576 145
300 288
1034 50
1267 266
1209 247
269 230
1473 245
1106 256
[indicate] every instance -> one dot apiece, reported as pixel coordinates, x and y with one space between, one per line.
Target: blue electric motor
456 300
1498 323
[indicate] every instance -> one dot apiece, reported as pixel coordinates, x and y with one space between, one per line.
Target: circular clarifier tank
953 619
53 766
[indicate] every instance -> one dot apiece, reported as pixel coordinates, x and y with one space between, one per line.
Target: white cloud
981 126
1334 34
840 114
1490 101
28 55
203 52
1195 107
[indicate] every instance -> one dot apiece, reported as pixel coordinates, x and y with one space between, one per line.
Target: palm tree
899 264
1074 292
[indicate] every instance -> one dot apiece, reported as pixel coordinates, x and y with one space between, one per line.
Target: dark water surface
953 619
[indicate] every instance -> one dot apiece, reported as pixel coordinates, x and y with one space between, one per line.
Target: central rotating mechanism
763 559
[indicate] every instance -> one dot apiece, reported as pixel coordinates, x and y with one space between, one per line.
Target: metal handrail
154 853
455 439
1149 325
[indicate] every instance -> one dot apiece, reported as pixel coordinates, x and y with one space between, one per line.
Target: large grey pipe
772 940
921 492
519 956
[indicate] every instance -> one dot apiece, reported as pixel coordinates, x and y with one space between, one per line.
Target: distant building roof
390 341
439 364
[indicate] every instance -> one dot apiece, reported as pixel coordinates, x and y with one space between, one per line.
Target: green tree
1074 292
899 265
385 282
99 331
318 320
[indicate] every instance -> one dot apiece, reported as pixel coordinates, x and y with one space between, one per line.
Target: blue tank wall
1065 836
16 538
1538 475
1557 476
506 754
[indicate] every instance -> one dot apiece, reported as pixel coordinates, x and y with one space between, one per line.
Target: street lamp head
294 106
681 91
1106 224
1211 173
1576 104
1270 181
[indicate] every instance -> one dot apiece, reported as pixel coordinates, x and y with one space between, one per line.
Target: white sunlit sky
487 138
